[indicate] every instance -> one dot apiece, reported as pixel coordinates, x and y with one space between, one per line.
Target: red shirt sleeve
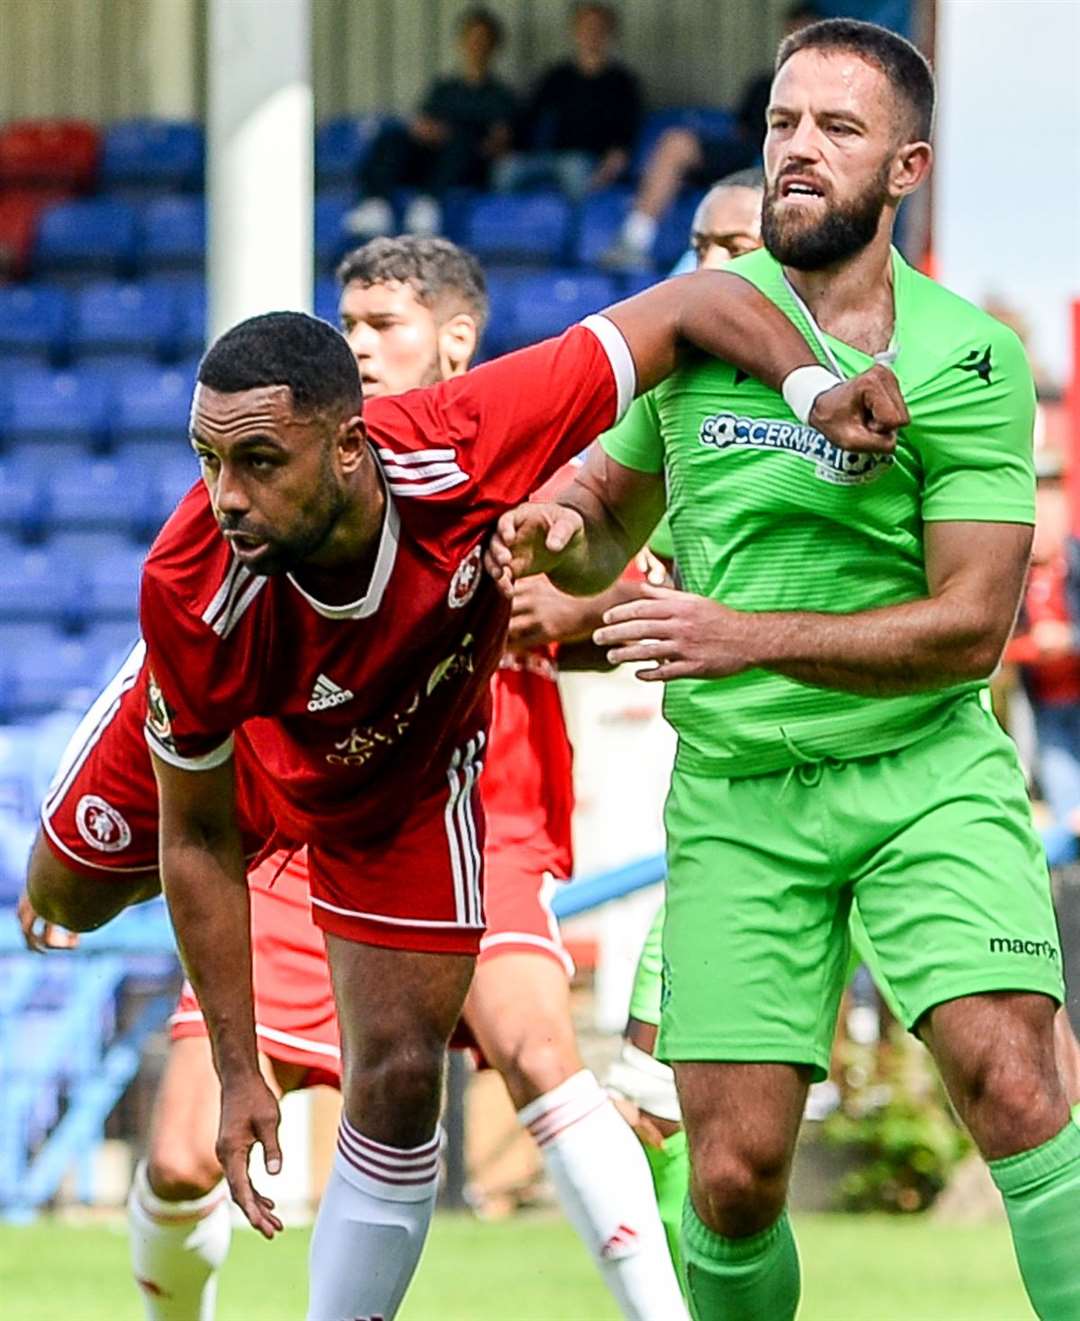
500 431
195 691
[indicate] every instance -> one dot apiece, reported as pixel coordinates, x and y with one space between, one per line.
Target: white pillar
259 168
170 56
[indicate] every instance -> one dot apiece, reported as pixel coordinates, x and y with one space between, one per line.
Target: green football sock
741 1279
1041 1190
670 1166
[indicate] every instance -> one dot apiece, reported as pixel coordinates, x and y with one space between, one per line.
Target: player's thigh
755 935
518 1009
955 896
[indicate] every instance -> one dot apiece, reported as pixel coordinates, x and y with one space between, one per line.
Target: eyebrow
848 115
248 443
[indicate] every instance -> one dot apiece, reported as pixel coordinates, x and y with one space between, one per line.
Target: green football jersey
766 514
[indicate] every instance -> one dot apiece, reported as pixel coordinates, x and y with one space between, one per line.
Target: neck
475 73
332 573
853 299
592 63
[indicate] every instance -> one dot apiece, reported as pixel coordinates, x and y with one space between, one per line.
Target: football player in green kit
824 661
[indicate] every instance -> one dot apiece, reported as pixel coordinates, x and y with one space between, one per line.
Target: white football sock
371 1227
639 231
606 1190
177 1249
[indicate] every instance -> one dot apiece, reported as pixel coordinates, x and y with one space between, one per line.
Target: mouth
246 546
801 187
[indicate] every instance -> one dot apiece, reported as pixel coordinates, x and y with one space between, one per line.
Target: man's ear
351 443
458 339
910 167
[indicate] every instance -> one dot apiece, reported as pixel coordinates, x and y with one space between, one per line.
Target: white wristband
801 388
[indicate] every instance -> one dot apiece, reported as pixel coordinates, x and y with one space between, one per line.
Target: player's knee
536 1063
740 1192
393 1090
179 1172
1007 1099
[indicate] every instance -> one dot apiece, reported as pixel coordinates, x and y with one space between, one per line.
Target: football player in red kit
317 608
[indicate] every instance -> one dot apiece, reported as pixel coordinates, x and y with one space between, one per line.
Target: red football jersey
351 713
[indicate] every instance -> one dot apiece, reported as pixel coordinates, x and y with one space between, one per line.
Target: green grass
531 1269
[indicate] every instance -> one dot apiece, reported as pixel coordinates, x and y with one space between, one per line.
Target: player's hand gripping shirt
352 712
766 514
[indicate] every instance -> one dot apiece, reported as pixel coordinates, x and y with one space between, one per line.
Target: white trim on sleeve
622 362
207 762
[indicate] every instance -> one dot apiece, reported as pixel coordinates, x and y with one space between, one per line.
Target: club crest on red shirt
466 579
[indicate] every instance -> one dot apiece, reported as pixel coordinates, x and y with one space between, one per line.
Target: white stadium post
260 126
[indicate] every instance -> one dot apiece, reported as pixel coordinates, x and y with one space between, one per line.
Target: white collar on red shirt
367 604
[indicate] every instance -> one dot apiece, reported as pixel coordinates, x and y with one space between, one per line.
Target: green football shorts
936 843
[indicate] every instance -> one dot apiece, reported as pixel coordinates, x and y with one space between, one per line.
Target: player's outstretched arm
728 318
203 877
585 540
975 575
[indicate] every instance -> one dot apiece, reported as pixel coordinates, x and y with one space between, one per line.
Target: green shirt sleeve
974 435
635 442
660 543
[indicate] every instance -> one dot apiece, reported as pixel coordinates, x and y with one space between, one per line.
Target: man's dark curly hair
441 274
906 68
285 348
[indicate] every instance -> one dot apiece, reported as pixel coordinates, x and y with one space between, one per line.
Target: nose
228 493
362 339
804 143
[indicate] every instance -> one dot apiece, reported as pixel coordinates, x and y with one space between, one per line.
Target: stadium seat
546 304
22 501
326 298
113 319
141 156
111 640
673 237
98 494
114 584
57 153
174 478
193 308
599 221
172 236
151 406
38 588
19 212
34 325
530 227
340 147
704 121
502 284
68 407
39 681
332 240
86 238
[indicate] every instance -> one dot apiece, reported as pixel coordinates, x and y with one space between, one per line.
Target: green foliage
898 1132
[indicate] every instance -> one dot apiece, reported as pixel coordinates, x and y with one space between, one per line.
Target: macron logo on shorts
327 694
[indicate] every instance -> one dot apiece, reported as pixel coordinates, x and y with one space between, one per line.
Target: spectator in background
1047 650
682 156
463 126
581 121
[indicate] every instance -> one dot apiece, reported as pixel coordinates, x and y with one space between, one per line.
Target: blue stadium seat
152 155
34 321
599 221
704 121
193 313
546 304
97 236
172 235
39 588
332 240
151 405
502 285
99 494
58 406
673 238
326 299
174 478
340 147
530 227
40 681
22 500
113 319
111 640
113 579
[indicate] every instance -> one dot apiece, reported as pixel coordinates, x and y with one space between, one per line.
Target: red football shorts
519 885
295 1021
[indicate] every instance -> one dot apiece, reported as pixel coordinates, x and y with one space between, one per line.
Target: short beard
842 232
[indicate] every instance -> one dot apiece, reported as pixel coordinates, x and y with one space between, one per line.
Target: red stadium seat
19 211
60 153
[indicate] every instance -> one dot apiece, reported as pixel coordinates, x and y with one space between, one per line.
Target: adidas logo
327 694
623 1243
